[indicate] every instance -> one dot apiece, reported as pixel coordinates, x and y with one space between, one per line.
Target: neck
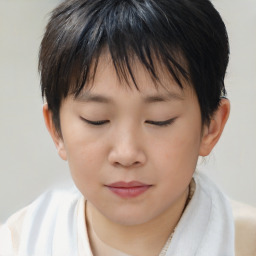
143 239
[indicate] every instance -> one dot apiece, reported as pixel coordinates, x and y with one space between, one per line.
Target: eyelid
98 122
161 123
158 123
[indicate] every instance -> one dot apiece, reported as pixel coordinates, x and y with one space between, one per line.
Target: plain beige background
29 163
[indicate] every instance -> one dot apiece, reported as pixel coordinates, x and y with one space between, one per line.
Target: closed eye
158 123
161 123
98 122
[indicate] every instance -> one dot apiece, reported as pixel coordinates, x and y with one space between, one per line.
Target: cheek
178 154
85 158
176 165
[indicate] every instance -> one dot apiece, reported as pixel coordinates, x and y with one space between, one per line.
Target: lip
128 189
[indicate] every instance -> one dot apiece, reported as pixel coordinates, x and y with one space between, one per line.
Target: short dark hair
79 30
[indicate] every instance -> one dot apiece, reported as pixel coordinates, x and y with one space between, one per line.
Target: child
134 94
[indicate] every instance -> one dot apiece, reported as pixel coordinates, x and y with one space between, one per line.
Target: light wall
28 161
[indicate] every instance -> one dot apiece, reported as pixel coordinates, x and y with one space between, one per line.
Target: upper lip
131 184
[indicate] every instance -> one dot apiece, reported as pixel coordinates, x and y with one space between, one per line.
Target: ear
213 131
57 139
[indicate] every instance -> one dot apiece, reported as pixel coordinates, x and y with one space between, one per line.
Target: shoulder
245 229
36 219
10 233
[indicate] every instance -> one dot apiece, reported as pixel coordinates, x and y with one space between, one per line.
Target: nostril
126 158
134 164
116 164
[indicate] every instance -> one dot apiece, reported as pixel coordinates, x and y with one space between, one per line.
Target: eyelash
157 123
96 123
162 123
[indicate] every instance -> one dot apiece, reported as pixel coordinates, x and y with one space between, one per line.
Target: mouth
128 189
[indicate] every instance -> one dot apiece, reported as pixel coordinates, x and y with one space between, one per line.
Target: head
134 87
187 37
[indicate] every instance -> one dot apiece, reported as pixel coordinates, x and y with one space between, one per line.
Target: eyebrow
170 96
90 97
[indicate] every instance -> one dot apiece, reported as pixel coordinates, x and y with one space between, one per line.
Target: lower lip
129 192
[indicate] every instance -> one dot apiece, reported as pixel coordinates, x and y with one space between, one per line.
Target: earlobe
58 141
213 131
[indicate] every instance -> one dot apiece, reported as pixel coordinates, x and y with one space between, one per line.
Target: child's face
131 145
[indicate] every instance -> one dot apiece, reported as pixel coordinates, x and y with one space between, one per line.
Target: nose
126 151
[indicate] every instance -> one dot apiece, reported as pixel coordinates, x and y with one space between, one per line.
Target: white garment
54 225
49 227
207 226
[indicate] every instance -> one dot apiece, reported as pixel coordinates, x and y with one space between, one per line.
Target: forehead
105 77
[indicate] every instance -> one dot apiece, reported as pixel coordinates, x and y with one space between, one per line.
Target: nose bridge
127 140
126 147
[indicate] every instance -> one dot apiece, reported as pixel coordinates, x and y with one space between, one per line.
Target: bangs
124 29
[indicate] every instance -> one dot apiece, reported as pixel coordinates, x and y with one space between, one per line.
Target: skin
130 147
